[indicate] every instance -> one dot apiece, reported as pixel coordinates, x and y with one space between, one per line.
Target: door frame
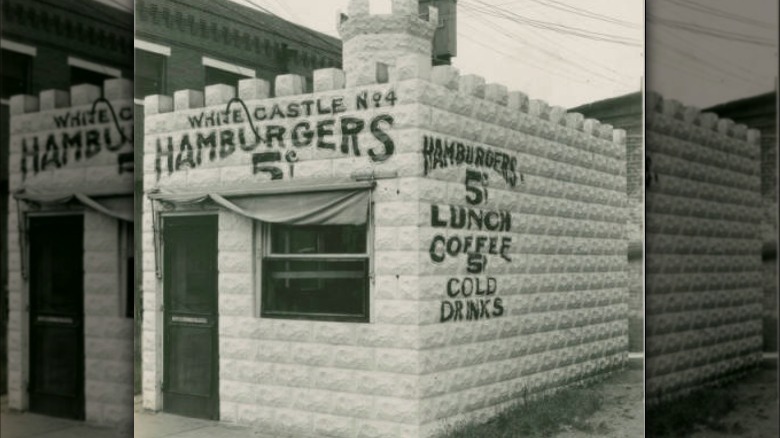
27 311
163 335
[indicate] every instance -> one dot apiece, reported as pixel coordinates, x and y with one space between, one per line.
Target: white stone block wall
293 376
108 334
18 325
564 292
405 373
703 274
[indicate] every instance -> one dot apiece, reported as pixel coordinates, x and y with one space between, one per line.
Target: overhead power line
499 12
710 66
586 13
709 31
314 34
236 15
708 53
563 61
707 9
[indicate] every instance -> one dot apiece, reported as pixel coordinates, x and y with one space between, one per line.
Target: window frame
262 253
235 69
94 67
20 49
164 53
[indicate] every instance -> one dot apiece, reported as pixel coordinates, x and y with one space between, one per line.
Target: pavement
158 425
14 424
623 412
154 424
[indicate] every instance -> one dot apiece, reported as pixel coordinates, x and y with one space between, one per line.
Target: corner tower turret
380 31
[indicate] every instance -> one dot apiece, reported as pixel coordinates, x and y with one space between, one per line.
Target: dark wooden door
190 377
57 316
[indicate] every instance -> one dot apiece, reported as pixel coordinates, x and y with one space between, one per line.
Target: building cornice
168 21
50 25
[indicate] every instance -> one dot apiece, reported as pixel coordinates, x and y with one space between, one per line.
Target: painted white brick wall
108 334
405 373
393 375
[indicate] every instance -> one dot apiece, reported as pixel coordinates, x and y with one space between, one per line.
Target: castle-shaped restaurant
396 248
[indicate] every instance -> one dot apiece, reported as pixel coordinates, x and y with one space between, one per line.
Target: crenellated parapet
371 35
256 125
80 139
402 18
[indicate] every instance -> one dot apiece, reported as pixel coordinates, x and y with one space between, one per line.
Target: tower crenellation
381 31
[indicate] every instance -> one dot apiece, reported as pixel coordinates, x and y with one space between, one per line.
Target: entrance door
190 376
57 316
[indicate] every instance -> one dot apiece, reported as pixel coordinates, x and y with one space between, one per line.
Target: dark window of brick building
80 76
149 76
15 73
218 76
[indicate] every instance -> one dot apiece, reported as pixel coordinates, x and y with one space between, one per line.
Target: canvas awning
312 202
115 206
294 203
118 206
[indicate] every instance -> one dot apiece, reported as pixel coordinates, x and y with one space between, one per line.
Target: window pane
318 239
80 76
217 76
324 288
15 73
149 76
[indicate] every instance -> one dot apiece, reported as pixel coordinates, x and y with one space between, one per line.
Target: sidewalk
623 412
158 425
25 424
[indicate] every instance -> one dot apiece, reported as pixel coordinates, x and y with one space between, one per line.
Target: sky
562 69
570 70
703 70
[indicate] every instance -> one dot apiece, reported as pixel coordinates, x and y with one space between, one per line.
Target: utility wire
717 33
586 13
525 61
567 48
238 16
310 32
556 27
722 14
711 54
514 37
691 57
287 9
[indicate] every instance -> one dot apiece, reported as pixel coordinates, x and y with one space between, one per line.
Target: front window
315 272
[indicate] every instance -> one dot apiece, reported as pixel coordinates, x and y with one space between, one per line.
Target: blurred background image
711 243
67 256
